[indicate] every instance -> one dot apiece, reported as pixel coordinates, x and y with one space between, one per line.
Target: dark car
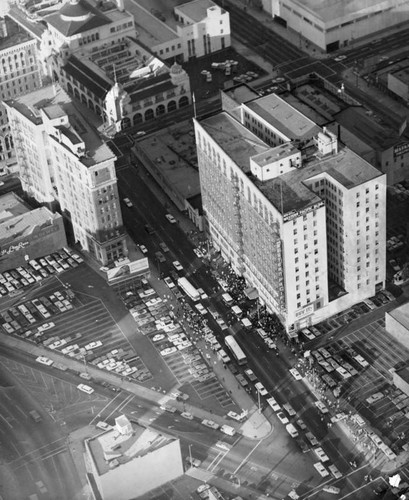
149 229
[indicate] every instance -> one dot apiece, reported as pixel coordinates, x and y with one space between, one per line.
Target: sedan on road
44 361
321 454
85 388
169 282
210 423
171 219
282 418
261 389
93 345
46 326
168 350
177 265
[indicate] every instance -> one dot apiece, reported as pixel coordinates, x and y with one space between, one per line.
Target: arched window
149 114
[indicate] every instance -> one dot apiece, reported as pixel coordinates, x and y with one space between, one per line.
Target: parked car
171 219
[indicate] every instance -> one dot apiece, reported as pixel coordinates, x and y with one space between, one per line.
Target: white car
168 350
321 469
235 416
261 389
201 309
46 326
57 344
210 423
85 388
143 249
128 202
322 408
334 471
93 345
169 282
44 361
198 253
171 219
308 334
158 337
295 373
186 415
273 404
177 265
282 418
69 349
375 397
321 454
340 58
270 343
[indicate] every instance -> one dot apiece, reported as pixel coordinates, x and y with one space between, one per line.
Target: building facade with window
203 27
19 74
63 161
303 220
332 25
94 54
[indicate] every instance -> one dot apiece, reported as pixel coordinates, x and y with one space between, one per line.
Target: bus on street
235 349
189 289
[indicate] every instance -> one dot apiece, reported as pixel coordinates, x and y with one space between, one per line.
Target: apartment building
19 74
63 161
302 219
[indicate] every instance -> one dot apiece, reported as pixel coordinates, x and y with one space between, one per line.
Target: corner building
302 220
62 160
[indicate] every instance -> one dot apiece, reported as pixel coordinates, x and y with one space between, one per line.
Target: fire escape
238 224
22 158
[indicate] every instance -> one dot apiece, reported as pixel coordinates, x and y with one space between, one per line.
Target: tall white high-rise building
300 217
63 160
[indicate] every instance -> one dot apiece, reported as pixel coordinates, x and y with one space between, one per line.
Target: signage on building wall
297 213
125 271
38 233
14 248
305 311
401 149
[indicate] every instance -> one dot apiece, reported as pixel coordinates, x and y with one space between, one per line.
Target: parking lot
172 340
356 369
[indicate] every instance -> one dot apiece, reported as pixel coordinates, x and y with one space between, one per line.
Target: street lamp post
190 454
85 362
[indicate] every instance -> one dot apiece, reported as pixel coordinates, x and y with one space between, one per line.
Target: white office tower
300 217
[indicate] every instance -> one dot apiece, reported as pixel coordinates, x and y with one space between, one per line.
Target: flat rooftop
15 35
288 191
401 314
330 10
173 151
50 98
283 117
114 446
25 224
274 154
378 137
241 93
11 206
234 138
150 30
195 10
